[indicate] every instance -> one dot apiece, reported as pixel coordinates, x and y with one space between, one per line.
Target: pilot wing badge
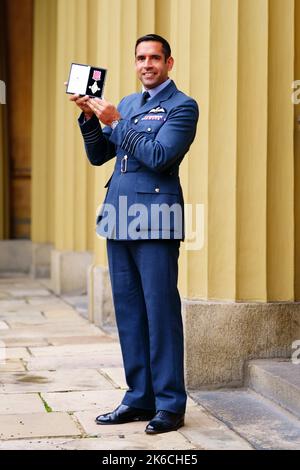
157 110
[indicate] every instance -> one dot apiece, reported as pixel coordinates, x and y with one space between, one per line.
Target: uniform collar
154 102
154 91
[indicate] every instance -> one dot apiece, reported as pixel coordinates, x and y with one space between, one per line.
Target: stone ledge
15 255
24 256
277 380
221 336
41 260
68 271
101 309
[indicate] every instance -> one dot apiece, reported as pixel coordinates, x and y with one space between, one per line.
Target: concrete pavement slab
78 361
15 403
42 308
46 381
22 315
11 365
17 353
11 304
20 282
116 375
54 306
61 314
131 442
17 426
25 322
43 331
101 401
65 340
32 292
73 349
26 341
47 302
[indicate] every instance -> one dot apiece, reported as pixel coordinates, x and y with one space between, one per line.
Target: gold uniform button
149 129
157 190
136 121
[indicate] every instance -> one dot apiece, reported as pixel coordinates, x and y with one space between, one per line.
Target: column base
221 336
101 309
41 260
68 271
15 256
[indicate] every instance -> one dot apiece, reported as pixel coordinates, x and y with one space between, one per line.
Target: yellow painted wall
280 167
43 122
252 150
236 58
297 153
222 151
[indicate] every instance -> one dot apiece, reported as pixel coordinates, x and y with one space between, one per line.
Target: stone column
297 150
72 254
43 137
240 285
117 25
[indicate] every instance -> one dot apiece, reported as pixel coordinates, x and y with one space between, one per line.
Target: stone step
259 421
277 380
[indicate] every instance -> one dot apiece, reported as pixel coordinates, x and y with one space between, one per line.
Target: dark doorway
19 52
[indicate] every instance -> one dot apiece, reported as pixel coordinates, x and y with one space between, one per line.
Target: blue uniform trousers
148 314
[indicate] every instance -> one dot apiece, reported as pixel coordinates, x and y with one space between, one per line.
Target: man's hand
105 111
81 102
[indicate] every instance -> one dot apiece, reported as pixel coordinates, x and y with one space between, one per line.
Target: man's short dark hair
155 37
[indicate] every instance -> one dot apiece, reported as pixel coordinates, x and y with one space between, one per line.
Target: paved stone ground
58 371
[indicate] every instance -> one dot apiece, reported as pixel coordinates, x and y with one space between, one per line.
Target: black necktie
145 97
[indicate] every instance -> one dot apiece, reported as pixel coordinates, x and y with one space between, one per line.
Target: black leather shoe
165 421
125 414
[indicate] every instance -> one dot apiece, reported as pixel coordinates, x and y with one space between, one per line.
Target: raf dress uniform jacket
144 197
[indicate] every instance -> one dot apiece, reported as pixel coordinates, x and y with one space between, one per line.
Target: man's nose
148 62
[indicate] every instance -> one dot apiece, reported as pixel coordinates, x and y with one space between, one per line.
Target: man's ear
170 63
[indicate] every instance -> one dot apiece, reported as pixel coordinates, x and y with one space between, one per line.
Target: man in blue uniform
142 218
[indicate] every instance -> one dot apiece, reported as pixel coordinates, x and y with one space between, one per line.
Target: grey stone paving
61 371
131 442
258 420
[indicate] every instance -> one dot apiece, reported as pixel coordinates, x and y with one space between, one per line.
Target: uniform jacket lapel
154 102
